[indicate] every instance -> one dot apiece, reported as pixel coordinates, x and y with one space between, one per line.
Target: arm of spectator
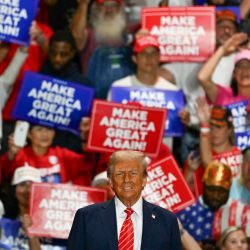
193 162
205 74
10 74
244 9
34 242
166 74
184 116
37 34
13 149
188 242
203 113
79 23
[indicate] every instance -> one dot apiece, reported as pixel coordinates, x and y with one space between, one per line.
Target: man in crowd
146 56
60 64
127 221
105 55
212 212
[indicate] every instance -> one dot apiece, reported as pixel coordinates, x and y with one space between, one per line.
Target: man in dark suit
127 222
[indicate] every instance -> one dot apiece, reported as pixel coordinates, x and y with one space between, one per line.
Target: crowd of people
100 44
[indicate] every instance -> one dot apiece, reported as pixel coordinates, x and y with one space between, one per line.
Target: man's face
109 8
60 54
224 30
219 134
214 197
109 22
147 60
127 181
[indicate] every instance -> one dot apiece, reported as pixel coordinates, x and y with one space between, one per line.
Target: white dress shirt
137 219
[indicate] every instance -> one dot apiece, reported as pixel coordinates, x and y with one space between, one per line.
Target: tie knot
128 211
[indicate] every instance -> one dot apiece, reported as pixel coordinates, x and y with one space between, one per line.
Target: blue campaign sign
234 9
243 139
52 102
172 100
241 123
12 234
15 20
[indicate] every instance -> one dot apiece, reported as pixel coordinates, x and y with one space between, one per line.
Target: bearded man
105 55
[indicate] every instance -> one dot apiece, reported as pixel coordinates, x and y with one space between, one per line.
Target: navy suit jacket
95 228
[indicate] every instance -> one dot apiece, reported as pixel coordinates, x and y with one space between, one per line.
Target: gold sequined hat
218 174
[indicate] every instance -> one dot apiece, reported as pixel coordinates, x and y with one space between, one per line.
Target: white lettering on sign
160 188
54 103
10 16
127 129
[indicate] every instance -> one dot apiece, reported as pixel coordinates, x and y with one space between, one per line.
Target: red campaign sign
167 187
184 33
53 206
233 159
116 126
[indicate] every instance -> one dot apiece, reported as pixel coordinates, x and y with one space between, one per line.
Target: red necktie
126 239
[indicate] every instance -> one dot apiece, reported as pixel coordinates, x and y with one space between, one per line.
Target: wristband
204 125
204 130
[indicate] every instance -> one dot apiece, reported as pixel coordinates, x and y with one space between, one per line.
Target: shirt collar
120 207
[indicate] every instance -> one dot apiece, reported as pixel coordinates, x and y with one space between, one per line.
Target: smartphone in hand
20 133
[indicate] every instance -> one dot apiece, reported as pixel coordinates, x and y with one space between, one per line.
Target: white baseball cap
26 173
99 178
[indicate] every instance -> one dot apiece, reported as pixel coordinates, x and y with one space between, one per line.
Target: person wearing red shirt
56 165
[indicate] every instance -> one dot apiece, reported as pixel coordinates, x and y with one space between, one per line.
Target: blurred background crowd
100 44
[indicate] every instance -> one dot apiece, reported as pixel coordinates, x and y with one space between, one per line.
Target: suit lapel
147 226
108 216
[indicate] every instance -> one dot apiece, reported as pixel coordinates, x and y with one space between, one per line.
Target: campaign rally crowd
85 78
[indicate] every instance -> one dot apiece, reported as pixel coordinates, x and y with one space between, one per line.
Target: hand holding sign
37 34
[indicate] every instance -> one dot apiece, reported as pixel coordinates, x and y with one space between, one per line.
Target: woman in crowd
233 238
216 141
56 165
16 220
240 84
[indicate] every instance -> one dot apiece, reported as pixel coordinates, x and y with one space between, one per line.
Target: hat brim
218 123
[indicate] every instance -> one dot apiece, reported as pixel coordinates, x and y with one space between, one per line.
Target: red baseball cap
226 15
144 41
102 1
220 116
